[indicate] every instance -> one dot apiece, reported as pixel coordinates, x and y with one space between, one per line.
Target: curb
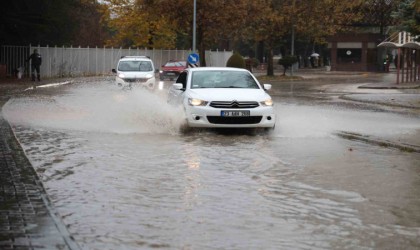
395 86
376 141
398 100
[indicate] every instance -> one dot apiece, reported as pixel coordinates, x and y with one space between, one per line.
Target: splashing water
104 108
95 108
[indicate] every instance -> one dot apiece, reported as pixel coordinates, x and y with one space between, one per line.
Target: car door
175 94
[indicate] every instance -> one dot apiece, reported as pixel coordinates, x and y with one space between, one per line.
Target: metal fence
77 61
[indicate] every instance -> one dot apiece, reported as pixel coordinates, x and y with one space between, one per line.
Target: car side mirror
178 86
267 86
114 71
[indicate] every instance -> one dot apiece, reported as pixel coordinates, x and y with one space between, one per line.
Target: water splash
97 108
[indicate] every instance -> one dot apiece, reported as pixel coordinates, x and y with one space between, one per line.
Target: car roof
217 68
135 58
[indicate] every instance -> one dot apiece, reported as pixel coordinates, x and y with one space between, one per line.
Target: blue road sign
193 58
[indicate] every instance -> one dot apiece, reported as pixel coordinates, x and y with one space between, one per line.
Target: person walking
36 62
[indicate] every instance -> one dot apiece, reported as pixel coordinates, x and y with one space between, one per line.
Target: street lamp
194 25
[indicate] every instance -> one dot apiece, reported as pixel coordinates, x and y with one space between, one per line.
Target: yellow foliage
137 25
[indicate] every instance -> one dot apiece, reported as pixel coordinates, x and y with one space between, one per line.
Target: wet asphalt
29 221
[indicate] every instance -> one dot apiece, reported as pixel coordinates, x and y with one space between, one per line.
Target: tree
38 22
268 26
47 22
217 20
139 24
314 20
408 16
287 62
89 29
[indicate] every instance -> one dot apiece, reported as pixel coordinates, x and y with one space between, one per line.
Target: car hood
137 74
173 68
226 94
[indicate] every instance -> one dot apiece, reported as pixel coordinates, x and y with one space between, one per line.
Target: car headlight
196 102
268 102
121 75
148 76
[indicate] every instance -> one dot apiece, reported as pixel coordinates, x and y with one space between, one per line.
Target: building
355 52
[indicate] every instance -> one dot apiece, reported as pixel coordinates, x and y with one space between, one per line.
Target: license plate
234 113
170 74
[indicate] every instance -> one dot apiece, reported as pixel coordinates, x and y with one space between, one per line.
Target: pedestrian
386 63
36 62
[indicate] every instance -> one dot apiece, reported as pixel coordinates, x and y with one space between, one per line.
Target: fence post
29 64
88 66
161 57
71 60
103 60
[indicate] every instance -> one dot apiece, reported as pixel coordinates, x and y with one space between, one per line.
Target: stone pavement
29 221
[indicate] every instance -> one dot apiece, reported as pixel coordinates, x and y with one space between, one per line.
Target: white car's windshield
223 79
143 66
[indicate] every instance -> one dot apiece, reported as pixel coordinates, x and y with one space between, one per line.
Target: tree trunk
202 52
201 48
260 51
270 66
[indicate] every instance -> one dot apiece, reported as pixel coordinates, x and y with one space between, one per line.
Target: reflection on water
123 177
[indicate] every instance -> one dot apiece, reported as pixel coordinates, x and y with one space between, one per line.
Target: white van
135 71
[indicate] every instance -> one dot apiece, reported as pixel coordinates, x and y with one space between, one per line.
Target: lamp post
194 25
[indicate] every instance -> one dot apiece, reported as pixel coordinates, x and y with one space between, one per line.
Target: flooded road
122 175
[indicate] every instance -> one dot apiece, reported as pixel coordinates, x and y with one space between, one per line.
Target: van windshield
142 66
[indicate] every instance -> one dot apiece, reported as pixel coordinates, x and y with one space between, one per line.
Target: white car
135 71
217 97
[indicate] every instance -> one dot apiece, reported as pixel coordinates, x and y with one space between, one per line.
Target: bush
287 61
236 61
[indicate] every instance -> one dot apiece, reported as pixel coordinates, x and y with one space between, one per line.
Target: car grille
234 120
234 105
135 80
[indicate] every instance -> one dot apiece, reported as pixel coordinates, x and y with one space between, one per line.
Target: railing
77 61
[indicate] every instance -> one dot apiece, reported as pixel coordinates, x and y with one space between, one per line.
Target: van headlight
196 102
121 75
148 76
267 103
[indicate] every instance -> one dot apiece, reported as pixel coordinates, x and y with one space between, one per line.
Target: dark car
172 69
